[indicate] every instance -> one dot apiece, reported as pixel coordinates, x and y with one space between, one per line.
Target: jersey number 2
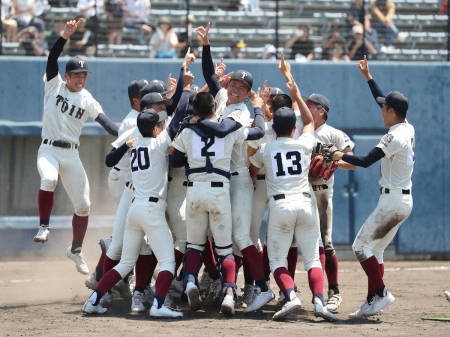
140 160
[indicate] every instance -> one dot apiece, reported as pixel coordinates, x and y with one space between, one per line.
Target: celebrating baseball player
67 106
396 152
149 166
322 185
292 212
232 114
208 197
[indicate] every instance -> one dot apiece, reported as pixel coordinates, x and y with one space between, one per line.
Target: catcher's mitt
322 166
183 124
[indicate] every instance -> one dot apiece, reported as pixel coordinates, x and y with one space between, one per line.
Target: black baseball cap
320 99
284 118
154 87
135 87
148 119
154 97
244 76
275 91
396 100
76 65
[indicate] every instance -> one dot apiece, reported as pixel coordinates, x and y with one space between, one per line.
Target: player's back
149 159
287 164
218 150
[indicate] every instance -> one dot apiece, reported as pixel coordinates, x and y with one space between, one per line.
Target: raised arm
257 131
374 88
294 91
207 62
52 61
188 79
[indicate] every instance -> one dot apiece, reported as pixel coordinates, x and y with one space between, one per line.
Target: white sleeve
53 85
178 142
390 145
122 139
94 108
258 158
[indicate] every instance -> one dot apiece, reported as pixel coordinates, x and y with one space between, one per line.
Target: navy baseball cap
320 99
154 97
154 87
275 91
244 76
76 65
135 87
148 119
284 118
396 100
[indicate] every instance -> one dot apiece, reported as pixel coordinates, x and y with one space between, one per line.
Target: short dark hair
203 104
399 114
281 101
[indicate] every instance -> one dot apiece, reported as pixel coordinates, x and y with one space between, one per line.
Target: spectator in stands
54 34
444 7
188 38
30 40
357 14
91 10
269 53
8 24
334 48
24 14
302 48
382 14
82 41
164 40
137 14
114 12
235 51
238 5
355 48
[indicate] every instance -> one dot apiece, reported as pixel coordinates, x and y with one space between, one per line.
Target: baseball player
116 178
292 212
208 197
67 106
232 114
146 262
323 189
396 152
149 166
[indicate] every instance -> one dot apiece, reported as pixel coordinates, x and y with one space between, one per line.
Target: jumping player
396 152
67 106
292 212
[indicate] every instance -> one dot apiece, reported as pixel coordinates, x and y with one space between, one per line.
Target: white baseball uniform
208 197
116 178
260 198
65 113
323 189
292 212
149 158
241 185
396 202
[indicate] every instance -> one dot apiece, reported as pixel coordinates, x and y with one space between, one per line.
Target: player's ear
66 76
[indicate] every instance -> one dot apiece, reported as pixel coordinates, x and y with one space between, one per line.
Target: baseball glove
322 166
183 124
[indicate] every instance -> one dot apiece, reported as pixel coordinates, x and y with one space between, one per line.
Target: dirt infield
45 298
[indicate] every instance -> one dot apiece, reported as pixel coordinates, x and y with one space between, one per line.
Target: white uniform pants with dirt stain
293 217
382 225
53 161
147 218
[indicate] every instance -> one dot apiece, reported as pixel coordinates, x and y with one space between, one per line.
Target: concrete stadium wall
352 109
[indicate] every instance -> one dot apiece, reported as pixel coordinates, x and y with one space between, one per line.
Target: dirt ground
44 298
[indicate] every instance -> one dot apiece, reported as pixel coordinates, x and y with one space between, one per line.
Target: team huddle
192 175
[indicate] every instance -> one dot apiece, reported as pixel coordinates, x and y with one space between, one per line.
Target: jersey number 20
140 160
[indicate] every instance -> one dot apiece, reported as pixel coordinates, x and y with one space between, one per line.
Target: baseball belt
260 177
282 196
151 199
213 184
389 191
319 187
59 143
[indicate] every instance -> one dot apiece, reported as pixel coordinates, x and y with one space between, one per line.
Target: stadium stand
424 30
